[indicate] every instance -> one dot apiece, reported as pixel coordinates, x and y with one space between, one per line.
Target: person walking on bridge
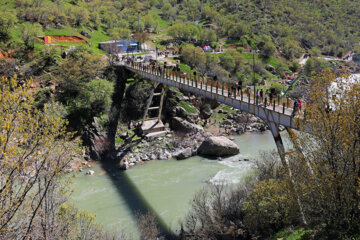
261 95
240 86
266 97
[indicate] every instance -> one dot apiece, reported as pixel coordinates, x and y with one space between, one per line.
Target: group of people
263 97
267 97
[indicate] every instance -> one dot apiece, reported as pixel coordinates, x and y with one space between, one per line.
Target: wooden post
161 102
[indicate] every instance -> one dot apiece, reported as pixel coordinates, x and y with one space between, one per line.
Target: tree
35 150
208 35
141 37
29 32
270 207
227 61
78 16
193 56
168 12
7 21
268 49
78 89
120 33
183 31
148 21
328 167
291 49
325 167
238 30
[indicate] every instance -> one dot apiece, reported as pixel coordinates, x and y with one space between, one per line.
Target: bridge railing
278 104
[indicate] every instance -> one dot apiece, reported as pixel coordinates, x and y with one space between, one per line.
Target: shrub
276 88
270 207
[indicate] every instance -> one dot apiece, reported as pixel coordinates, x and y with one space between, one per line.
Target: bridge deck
278 113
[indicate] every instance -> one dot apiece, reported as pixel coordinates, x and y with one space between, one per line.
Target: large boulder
218 147
85 34
270 68
183 154
181 125
182 113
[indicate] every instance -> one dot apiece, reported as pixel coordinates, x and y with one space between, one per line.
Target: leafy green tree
192 9
168 12
193 56
268 49
270 207
78 16
83 96
148 21
29 33
183 31
232 61
208 35
95 20
294 66
238 30
120 33
7 21
227 61
291 49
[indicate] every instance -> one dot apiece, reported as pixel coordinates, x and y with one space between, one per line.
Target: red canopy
289 77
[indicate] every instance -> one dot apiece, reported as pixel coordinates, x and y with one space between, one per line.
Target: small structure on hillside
120 46
53 38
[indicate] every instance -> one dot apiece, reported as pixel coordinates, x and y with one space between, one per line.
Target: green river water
165 187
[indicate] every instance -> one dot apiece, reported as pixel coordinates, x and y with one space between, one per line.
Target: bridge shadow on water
132 196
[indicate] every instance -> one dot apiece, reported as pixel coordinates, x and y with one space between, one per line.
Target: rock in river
218 147
184 153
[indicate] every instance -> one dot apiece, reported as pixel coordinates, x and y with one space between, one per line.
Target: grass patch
185 68
136 54
228 109
162 23
292 234
97 36
188 107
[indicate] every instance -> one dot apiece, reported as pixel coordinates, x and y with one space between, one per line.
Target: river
165 186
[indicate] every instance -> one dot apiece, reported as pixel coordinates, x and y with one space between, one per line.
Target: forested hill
328 25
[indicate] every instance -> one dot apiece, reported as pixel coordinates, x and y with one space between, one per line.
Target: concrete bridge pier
274 128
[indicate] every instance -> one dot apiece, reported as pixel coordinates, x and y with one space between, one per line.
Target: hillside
293 26
58 87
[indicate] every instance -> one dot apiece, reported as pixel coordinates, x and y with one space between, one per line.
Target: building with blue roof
120 46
